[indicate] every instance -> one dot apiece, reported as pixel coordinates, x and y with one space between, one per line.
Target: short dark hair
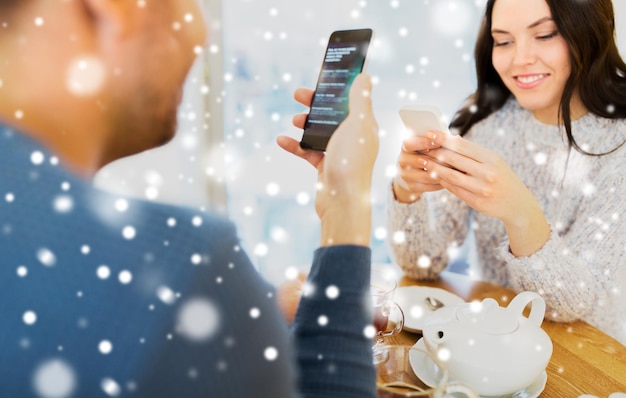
8 7
598 71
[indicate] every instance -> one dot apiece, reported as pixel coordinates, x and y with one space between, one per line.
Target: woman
536 168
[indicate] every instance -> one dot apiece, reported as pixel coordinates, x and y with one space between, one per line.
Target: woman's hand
413 178
487 184
343 199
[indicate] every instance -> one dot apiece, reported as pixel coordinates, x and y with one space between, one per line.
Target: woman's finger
462 146
447 176
418 144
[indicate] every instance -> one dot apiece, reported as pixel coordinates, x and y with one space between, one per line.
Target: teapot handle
537 309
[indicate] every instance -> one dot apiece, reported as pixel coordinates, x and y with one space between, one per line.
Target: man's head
96 80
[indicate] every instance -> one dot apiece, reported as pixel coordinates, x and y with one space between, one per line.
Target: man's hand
343 200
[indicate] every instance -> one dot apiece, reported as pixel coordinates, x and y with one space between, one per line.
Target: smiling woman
532 57
538 169
589 66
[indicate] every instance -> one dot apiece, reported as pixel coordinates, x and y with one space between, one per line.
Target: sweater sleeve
577 269
422 234
333 352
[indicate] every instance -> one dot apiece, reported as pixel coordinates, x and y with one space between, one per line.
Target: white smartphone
345 58
420 119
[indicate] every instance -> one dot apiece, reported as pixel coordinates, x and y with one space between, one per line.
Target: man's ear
113 17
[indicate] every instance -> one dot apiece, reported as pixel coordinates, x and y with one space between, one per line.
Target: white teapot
495 350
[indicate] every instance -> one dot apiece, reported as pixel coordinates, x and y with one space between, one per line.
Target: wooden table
584 359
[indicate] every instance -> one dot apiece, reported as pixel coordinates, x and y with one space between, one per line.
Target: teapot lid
489 317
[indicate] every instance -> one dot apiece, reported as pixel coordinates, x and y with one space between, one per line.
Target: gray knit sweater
581 270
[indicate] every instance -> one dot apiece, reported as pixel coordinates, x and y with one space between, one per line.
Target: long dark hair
597 70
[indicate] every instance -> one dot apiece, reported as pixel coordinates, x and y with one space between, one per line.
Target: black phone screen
344 60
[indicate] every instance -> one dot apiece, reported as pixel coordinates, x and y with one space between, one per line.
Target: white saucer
531 391
411 300
426 370
422 365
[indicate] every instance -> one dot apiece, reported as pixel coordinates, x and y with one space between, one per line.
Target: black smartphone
344 60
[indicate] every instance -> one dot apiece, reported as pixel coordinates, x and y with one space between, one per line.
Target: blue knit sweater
103 295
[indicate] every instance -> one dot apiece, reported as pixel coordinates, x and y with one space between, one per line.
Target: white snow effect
54 378
303 198
166 295
196 258
192 373
37 158
63 204
121 205
476 306
416 312
291 273
125 277
22 271
443 354
29 317
453 251
110 387
270 353
105 347
380 233
198 319
540 158
588 189
131 386
129 232
423 262
46 257
261 249
85 76
279 234
332 292
272 189
308 289
399 237
152 193
255 313
103 272
82 323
